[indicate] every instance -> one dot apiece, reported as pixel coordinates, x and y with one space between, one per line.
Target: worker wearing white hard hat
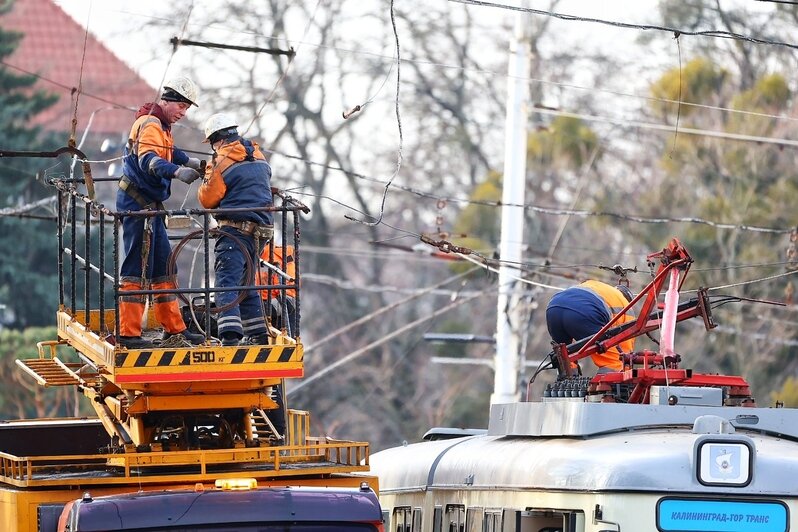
219 126
238 178
180 89
151 163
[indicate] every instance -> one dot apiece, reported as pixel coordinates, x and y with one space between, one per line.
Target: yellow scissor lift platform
329 461
185 409
160 369
133 390
167 418
129 388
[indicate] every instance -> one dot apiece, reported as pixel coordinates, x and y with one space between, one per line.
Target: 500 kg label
203 357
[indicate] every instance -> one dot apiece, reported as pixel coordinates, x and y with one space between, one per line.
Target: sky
118 24
115 23
121 26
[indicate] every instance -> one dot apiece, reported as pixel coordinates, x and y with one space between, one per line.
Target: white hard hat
182 87
218 122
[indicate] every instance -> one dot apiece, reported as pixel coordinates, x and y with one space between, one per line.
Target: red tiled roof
52 47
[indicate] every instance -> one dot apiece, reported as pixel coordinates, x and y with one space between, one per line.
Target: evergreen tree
741 183
28 260
21 397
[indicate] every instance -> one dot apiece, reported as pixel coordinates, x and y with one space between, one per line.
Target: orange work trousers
131 309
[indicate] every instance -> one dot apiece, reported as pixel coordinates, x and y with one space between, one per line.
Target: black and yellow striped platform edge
212 355
204 365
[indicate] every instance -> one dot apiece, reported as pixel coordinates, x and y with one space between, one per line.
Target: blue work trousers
574 314
133 239
246 318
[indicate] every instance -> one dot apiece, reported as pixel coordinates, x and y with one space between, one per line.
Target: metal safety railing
298 427
323 456
90 267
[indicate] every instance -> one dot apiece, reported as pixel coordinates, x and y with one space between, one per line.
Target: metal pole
73 227
297 274
117 222
102 274
87 268
508 315
206 244
61 209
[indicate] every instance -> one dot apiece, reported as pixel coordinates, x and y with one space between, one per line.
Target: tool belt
262 232
132 190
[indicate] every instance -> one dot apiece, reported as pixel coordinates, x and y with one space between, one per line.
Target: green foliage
28 282
772 91
788 394
699 81
734 182
566 140
479 222
747 61
567 143
470 411
21 397
731 182
769 95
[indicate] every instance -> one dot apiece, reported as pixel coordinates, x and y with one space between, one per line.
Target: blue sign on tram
700 515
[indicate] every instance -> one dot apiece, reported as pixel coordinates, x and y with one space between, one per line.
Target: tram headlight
724 463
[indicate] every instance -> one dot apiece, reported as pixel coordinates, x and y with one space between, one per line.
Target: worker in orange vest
266 276
239 177
150 165
581 311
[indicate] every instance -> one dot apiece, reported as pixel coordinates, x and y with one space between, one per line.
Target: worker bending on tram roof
279 301
238 178
581 311
151 163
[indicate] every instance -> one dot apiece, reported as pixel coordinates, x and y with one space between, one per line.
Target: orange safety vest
615 302
268 277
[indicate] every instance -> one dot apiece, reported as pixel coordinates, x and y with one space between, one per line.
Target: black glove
186 175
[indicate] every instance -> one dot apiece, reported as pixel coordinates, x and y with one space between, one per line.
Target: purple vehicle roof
191 508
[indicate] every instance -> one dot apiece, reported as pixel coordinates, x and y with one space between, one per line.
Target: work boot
230 340
258 339
192 337
135 342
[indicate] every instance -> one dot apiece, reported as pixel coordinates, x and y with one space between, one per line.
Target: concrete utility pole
508 315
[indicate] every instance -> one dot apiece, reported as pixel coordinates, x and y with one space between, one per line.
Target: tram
653 447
